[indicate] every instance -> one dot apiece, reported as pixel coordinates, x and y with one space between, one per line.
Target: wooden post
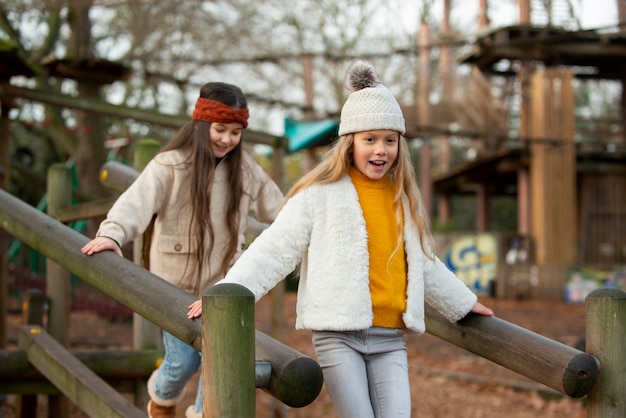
523 205
423 117
524 12
32 314
5 169
144 151
483 16
228 376
145 333
552 168
605 319
58 278
277 294
482 208
444 208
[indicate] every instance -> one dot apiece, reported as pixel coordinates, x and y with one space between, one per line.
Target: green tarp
308 134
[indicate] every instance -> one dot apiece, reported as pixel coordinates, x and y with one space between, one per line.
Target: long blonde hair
336 164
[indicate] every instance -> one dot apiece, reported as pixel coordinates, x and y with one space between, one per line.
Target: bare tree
175 46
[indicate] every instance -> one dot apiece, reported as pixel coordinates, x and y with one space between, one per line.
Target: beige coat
162 189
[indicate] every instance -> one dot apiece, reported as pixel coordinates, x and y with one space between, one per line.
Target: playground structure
554 364
294 379
149 296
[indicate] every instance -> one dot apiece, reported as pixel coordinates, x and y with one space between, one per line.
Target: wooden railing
148 295
296 379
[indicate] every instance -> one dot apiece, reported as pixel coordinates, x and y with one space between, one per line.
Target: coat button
178 247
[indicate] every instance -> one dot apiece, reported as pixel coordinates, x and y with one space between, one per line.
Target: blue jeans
366 372
180 363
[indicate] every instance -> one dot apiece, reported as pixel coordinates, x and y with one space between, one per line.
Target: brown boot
158 411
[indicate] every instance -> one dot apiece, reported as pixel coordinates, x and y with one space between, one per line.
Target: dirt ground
446 381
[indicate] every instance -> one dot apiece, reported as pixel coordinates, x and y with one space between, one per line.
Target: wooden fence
146 294
560 367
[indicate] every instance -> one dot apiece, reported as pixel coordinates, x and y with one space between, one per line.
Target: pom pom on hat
361 75
370 106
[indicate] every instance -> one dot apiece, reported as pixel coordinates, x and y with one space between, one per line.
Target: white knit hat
370 106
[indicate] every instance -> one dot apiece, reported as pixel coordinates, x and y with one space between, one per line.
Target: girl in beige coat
192 201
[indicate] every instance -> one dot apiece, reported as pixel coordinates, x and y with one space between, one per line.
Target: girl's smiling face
374 152
224 137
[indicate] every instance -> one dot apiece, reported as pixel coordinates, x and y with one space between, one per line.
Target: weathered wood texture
602 217
16 373
228 387
111 110
72 377
552 167
147 294
558 366
605 319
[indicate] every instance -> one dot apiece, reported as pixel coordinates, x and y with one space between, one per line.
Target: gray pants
366 372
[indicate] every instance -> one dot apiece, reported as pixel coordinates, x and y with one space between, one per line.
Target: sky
598 13
593 13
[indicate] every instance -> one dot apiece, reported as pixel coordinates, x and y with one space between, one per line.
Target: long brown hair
193 139
336 164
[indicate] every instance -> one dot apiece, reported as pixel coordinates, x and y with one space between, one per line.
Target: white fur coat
323 229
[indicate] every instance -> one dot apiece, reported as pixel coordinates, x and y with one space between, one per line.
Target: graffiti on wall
474 259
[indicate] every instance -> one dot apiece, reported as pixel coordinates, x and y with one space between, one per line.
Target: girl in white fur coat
358 229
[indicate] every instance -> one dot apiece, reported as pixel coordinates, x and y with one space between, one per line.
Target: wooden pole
483 15
558 366
605 319
482 208
33 308
524 12
277 294
111 110
424 115
228 384
58 279
16 371
444 206
523 205
5 169
73 378
145 333
552 168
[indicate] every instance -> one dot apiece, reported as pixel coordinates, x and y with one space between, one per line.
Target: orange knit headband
214 111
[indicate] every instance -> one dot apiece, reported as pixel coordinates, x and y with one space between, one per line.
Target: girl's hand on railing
101 244
481 309
195 309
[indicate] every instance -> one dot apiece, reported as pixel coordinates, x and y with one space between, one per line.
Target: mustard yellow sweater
388 277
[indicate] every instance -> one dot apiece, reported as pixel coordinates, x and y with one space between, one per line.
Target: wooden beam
73 378
119 364
553 168
556 365
98 106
